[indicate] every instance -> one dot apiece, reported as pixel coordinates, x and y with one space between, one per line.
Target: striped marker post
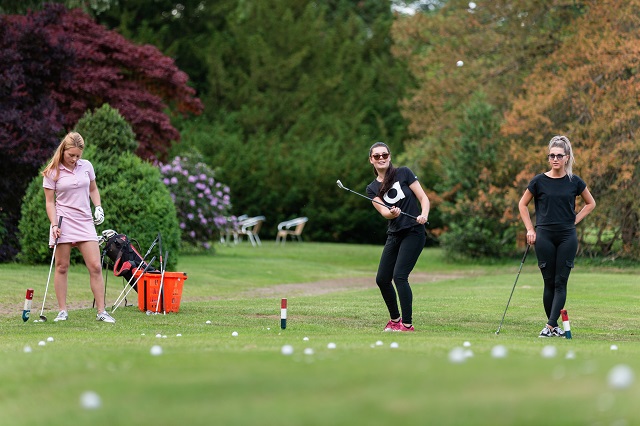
283 313
565 324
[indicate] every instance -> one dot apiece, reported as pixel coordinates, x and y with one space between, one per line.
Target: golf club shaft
377 202
514 287
162 269
134 284
153 244
53 256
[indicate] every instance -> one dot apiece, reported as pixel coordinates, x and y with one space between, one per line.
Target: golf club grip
59 225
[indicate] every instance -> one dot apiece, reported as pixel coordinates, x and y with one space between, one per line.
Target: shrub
135 201
203 205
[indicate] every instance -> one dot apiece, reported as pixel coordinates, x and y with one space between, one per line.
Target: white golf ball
614 347
164 336
499 351
207 322
27 349
158 335
308 351
90 400
156 350
459 63
456 355
142 334
35 320
178 335
472 5
393 345
621 376
331 345
306 339
466 344
287 350
49 339
571 355
549 351
41 343
379 343
268 328
234 334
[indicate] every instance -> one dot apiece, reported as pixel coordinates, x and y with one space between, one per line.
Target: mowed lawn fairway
206 376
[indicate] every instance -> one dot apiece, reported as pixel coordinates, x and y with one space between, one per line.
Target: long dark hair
390 176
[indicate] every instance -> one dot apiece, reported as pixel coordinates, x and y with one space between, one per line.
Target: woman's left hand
422 219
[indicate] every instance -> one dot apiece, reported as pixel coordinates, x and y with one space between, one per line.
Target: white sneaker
104 316
62 316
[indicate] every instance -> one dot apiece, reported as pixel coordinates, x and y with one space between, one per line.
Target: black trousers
399 256
556 251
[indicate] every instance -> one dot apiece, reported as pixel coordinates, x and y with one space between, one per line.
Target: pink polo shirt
73 203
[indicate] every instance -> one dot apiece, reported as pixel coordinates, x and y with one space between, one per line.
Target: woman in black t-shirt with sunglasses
406 236
554 234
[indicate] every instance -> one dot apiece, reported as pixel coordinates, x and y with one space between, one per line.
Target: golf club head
43 318
340 185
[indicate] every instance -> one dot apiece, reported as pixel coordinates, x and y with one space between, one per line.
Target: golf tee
565 324
283 314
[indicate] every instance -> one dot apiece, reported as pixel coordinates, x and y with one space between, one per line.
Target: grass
206 376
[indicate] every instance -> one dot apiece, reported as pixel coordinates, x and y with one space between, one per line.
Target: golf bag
126 259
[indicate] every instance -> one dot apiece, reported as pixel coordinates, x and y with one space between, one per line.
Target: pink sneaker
402 327
393 326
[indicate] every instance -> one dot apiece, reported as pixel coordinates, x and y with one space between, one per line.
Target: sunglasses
384 156
556 156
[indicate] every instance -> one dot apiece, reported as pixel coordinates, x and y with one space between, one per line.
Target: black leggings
399 256
556 252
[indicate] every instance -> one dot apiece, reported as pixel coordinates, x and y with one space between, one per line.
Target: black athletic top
401 196
555 200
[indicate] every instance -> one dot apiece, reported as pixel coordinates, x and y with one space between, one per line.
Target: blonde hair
563 142
71 140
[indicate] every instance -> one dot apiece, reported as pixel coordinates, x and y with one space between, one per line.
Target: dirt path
295 289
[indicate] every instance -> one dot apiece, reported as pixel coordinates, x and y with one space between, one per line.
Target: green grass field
207 376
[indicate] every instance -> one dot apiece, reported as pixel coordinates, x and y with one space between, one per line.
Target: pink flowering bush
203 205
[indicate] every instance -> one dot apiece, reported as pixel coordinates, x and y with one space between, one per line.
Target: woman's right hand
531 237
55 231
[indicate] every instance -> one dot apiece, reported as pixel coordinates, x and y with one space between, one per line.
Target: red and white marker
565 324
283 314
27 305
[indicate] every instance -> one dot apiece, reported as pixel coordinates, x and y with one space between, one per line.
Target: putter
340 185
53 256
514 287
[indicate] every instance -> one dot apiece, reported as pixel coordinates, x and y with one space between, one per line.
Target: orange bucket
149 291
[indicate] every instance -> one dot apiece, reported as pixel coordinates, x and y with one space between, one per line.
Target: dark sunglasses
383 155
554 156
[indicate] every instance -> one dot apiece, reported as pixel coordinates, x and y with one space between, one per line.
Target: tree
587 89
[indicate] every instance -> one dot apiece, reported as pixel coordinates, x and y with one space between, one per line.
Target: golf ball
207 322
178 335
308 351
393 345
459 63
41 343
305 339
571 355
234 334
90 400
331 345
456 355
379 343
158 335
49 339
549 351
472 5
621 376
35 320
156 350
614 347
27 349
499 351
287 350
466 344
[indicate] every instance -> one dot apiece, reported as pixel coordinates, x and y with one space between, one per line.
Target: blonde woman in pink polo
69 184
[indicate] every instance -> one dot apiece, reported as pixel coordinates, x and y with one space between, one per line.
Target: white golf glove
98 215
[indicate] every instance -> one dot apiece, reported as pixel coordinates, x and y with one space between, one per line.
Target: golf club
340 185
153 244
514 286
160 296
115 305
53 256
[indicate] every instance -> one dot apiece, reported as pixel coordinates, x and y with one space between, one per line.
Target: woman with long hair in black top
400 189
554 235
